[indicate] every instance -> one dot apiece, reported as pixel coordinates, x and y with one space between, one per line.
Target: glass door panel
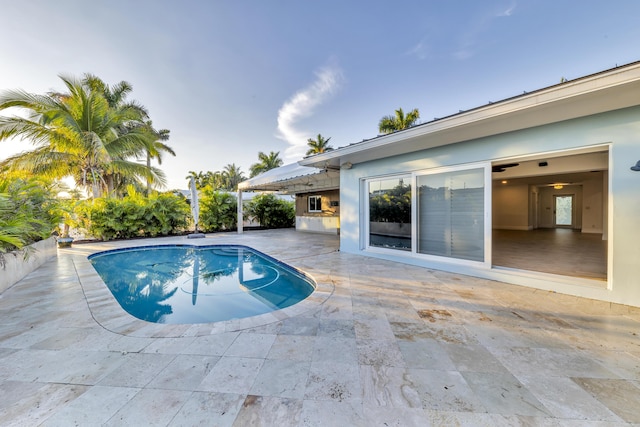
451 214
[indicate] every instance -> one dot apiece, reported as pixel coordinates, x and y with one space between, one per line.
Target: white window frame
413 176
318 200
486 166
364 243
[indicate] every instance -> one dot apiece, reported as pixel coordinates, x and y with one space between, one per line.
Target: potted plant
68 220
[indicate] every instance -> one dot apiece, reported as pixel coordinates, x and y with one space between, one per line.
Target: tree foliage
218 210
265 162
29 212
89 132
318 145
159 214
272 212
398 121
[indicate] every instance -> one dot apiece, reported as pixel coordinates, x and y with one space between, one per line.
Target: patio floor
379 344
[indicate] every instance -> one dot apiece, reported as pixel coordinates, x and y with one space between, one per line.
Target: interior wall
510 207
546 207
593 207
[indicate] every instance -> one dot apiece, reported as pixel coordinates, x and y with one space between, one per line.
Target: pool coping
108 313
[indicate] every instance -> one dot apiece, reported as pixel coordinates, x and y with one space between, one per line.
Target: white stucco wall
619 129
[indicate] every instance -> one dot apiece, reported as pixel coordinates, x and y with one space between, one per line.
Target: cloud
509 10
420 50
302 105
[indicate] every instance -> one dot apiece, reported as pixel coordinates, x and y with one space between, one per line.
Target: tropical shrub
29 212
159 214
272 212
218 210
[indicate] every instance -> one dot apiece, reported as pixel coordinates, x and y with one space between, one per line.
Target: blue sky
232 78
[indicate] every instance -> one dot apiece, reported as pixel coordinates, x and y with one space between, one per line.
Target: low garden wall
14 267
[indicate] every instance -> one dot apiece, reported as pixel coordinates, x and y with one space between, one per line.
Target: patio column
240 211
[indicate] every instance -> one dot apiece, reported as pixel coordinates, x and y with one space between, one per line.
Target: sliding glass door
432 213
451 214
389 208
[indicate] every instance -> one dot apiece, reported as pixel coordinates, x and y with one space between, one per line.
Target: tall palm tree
265 163
232 177
399 121
155 147
76 133
318 145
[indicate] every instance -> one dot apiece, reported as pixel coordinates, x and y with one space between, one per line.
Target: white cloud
509 10
303 104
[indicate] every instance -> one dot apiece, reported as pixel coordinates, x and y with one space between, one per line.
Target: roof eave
605 91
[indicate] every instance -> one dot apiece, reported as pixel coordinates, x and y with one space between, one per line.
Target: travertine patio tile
205 409
566 400
502 393
622 397
184 372
231 375
292 347
32 405
282 378
269 411
137 370
334 381
150 407
380 343
251 345
94 407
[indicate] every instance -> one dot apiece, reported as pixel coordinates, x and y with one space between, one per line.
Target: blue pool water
199 284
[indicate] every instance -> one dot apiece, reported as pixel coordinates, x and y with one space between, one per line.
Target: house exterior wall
617 129
327 221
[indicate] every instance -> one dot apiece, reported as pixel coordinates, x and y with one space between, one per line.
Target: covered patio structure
316 190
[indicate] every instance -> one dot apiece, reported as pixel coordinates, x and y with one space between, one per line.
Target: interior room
550 214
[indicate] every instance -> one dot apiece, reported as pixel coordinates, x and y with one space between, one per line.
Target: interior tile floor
380 344
552 250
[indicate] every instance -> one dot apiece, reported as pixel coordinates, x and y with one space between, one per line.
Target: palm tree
155 147
318 145
399 121
76 134
232 177
266 162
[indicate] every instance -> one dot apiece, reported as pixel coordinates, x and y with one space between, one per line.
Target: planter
14 267
65 242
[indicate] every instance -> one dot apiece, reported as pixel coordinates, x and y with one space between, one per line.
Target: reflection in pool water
199 284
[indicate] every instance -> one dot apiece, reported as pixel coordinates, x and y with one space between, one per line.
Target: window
451 214
315 204
390 213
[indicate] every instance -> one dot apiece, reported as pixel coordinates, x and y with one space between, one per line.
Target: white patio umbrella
195 209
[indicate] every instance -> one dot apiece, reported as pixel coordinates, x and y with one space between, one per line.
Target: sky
231 79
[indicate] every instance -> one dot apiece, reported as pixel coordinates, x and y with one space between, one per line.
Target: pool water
199 284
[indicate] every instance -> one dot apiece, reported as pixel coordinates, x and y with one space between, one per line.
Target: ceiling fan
502 168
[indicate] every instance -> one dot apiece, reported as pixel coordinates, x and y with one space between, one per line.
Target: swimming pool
181 284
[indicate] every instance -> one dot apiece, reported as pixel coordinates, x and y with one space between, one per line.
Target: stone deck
379 344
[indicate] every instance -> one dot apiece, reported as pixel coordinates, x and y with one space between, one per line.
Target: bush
159 214
272 212
29 212
218 210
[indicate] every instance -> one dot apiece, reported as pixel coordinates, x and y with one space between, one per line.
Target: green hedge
218 210
29 212
159 214
272 212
